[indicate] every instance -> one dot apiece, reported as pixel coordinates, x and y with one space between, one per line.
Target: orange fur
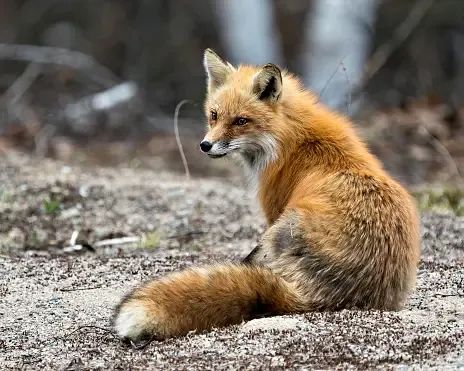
342 233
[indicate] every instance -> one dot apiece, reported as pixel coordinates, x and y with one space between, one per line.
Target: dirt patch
56 304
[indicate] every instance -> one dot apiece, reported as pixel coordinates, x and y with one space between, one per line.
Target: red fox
342 233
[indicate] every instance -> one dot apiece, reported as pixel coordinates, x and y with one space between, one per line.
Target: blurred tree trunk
290 18
165 49
249 31
338 36
429 64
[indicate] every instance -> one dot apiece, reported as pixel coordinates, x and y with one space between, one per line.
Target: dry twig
69 289
176 132
383 53
349 95
80 328
117 241
186 234
321 93
73 239
441 148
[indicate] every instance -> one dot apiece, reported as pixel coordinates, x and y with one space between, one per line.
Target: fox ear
216 68
267 84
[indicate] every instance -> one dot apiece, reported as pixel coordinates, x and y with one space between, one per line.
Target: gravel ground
56 299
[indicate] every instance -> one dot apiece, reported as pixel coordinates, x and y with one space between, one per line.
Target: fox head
241 106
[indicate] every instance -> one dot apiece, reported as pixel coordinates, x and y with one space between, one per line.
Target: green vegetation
52 206
6 196
151 240
444 199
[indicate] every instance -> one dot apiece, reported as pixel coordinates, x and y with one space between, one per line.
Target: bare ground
56 300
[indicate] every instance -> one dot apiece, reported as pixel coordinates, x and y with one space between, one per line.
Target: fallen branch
21 84
78 247
117 241
73 248
73 239
104 100
59 56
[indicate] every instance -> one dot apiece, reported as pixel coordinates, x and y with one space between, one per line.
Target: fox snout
205 146
215 149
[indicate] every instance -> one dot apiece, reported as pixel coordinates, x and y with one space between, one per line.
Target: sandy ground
56 301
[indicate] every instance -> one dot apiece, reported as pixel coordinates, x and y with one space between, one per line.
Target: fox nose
206 146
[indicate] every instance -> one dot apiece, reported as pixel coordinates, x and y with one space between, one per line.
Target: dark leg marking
249 260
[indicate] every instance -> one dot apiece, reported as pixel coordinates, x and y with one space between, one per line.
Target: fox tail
203 298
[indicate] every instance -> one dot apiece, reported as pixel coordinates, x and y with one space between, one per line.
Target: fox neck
258 158
317 141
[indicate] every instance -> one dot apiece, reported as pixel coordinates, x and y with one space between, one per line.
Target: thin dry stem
383 53
176 132
441 148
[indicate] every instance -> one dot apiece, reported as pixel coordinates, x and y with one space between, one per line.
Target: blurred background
97 82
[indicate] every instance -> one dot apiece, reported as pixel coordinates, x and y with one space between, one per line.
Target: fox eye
213 115
241 121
